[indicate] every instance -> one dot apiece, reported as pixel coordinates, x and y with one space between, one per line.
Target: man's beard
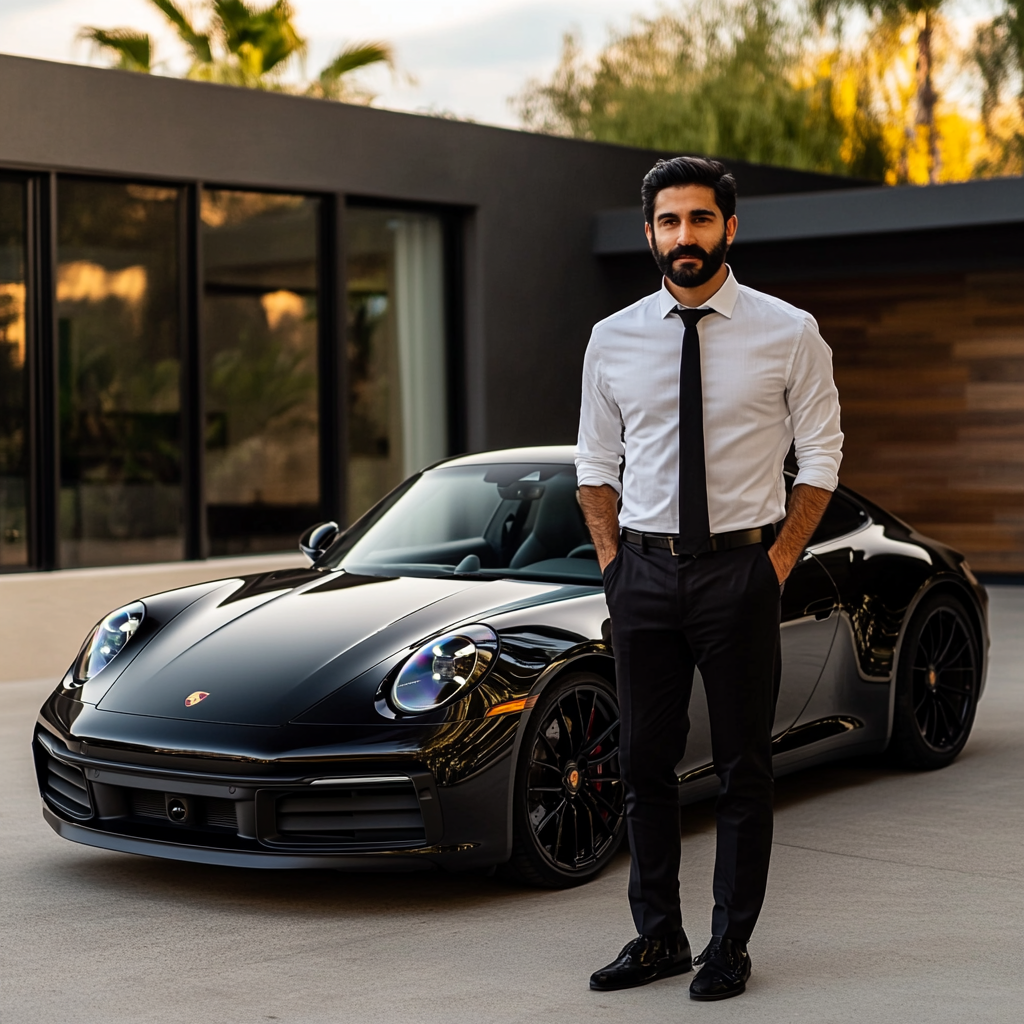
689 276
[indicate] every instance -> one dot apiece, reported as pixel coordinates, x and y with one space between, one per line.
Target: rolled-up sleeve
814 407
599 448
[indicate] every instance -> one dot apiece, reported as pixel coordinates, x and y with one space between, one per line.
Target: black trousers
720 612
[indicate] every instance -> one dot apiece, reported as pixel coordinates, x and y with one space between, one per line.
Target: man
698 391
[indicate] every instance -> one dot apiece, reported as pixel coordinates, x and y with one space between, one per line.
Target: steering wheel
583 551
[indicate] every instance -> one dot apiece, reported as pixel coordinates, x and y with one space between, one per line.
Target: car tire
937 685
566 827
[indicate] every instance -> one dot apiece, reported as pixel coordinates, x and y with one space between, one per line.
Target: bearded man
692 398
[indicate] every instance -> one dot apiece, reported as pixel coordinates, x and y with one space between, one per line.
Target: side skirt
826 739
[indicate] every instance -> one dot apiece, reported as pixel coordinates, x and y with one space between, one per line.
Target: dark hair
689 170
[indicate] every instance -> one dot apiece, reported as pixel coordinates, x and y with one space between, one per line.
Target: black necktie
694 526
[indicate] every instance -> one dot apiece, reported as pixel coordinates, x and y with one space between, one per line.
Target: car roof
560 454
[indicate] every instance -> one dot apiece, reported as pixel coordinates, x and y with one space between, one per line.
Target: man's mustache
686 250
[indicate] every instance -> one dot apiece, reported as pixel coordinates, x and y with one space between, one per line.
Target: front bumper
377 861
391 816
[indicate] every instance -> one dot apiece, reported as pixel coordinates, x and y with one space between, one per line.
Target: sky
467 56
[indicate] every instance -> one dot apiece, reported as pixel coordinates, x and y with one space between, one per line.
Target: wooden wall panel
930 371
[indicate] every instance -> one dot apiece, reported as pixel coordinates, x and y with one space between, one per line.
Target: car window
503 520
842 516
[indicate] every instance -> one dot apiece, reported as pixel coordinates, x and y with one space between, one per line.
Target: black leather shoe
725 970
644 960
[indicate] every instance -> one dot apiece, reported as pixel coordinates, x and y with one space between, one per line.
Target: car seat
559 527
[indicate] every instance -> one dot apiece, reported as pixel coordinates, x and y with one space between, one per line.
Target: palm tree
260 42
923 14
243 44
197 43
330 84
129 50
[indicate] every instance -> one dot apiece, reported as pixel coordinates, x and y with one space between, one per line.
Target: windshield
511 520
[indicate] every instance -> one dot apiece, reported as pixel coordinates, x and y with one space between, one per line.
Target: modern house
225 314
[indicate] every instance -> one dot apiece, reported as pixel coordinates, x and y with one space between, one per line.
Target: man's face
690 236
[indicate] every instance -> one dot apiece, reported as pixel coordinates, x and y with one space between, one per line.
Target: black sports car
438 688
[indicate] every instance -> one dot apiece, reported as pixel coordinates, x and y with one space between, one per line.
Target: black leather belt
716 542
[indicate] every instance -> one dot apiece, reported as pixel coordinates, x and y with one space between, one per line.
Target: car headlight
444 669
106 641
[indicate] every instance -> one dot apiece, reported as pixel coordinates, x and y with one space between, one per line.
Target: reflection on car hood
267 648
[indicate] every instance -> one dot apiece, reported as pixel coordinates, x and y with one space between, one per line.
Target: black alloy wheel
937 685
568 814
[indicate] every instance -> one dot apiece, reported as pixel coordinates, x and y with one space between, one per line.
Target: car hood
265 649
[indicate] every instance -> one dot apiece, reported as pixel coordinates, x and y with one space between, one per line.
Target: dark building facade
225 314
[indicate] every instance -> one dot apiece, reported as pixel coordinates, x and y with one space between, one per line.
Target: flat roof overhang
845 212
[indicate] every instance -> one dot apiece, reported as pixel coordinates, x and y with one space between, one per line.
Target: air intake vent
212 811
147 803
376 813
66 789
221 813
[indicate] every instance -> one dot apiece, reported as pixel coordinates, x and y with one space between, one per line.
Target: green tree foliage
733 79
242 44
128 50
198 44
332 83
924 15
998 54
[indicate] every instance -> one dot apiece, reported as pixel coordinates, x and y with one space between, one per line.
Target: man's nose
685 235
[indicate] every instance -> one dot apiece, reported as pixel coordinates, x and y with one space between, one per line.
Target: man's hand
806 507
601 510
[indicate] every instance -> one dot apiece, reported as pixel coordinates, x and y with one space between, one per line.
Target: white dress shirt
766 374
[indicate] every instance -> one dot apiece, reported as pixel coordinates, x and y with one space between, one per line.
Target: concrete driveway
893 898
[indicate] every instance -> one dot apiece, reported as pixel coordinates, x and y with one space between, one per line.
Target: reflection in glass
260 353
118 340
398 401
13 378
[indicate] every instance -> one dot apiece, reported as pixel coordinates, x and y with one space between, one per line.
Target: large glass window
398 401
260 360
118 299
13 378
125 277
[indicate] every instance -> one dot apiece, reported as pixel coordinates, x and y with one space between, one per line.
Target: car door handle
822 609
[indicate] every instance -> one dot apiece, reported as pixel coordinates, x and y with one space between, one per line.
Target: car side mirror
317 539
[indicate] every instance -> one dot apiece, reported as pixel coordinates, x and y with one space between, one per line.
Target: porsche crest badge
194 698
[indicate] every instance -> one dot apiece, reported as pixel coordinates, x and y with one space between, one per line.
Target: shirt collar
723 301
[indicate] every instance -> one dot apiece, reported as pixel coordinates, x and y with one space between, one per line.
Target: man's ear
649 232
730 229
